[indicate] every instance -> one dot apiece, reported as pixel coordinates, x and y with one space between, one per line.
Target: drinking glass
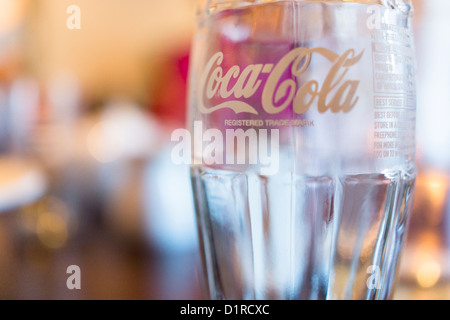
302 144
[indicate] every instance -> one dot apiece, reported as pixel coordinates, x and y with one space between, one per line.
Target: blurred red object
169 103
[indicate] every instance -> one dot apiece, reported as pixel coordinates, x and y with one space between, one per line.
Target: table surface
109 270
21 182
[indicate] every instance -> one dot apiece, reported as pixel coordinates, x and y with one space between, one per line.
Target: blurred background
85 171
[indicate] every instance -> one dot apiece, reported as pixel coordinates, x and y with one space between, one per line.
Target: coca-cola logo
237 84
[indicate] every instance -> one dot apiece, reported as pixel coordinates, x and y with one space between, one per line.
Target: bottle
302 126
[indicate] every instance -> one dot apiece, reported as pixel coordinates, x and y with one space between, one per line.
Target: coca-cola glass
302 146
